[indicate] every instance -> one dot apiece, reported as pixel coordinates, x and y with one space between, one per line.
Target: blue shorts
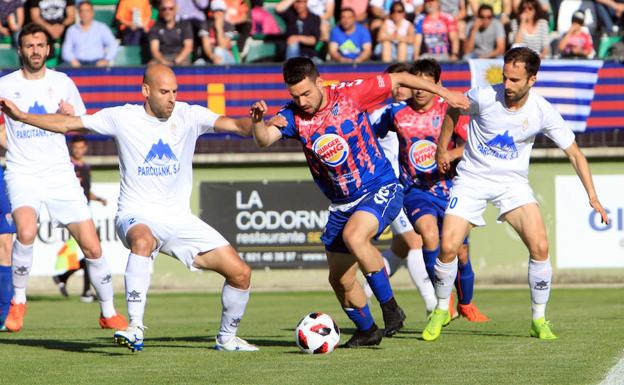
384 204
6 218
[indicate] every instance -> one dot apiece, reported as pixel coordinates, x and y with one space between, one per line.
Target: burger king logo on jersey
422 155
331 149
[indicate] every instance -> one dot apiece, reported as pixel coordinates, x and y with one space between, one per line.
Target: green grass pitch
62 344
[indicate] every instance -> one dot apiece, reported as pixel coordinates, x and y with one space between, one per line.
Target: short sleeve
290 131
381 120
203 119
103 122
554 127
187 30
499 30
418 24
473 98
369 93
73 98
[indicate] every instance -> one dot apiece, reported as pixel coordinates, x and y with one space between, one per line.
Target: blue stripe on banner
556 68
608 97
247 103
608 114
585 86
578 102
254 86
611 81
137 88
575 118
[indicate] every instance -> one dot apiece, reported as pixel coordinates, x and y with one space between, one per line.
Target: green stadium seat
6 40
105 14
9 58
604 50
261 51
128 56
105 2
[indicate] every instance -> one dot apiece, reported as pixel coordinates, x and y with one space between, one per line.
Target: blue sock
380 285
361 317
6 291
464 283
430 257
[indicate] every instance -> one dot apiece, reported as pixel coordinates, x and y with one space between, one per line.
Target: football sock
137 280
6 291
102 283
22 260
430 257
380 285
86 280
361 317
445 276
393 262
540 278
464 283
233 301
418 273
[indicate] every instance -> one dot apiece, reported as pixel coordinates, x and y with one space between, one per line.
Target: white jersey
389 143
155 156
499 143
32 151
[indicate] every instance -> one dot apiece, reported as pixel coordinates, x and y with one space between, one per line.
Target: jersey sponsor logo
340 85
422 155
32 132
160 161
435 122
331 149
501 147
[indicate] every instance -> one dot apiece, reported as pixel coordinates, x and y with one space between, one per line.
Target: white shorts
184 237
468 198
61 194
401 224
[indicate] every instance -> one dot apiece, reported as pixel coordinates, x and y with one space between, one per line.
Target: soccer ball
317 333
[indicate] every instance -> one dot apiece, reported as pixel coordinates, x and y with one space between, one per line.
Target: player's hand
257 111
597 206
277 121
11 110
443 159
458 100
66 108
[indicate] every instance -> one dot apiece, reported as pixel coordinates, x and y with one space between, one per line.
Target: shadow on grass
64 345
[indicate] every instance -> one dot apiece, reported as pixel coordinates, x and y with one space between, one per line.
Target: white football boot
235 344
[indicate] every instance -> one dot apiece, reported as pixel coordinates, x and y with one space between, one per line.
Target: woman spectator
135 20
396 36
530 28
11 18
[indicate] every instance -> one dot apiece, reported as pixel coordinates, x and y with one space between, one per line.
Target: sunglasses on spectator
397 10
166 8
486 17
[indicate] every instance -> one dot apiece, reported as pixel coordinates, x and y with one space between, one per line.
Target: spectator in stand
611 15
396 36
379 12
54 16
486 35
302 29
90 43
171 41
194 13
350 42
436 34
262 21
360 7
544 4
325 10
234 19
135 19
577 42
502 8
457 9
530 28
11 18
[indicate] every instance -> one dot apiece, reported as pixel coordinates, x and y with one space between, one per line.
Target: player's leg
343 268
6 279
86 296
528 223
464 284
234 296
427 226
86 236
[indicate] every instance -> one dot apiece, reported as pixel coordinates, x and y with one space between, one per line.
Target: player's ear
319 82
145 90
532 80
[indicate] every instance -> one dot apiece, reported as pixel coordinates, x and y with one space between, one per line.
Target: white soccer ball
317 333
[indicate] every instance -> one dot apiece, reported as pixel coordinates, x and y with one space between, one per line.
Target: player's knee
341 283
539 252
93 252
142 246
26 236
431 237
242 278
354 239
448 250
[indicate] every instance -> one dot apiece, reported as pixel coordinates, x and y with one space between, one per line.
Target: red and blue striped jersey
339 144
418 134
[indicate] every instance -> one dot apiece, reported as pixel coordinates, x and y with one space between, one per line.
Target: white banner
51 240
582 241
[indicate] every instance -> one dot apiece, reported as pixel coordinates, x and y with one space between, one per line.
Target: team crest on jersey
335 110
9 219
422 155
159 161
435 122
331 149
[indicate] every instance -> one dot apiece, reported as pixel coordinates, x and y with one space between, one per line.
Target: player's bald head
157 71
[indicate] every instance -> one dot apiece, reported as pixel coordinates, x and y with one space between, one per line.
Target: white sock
234 302
137 279
392 261
22 260
102 282
445 278
418 273
540 279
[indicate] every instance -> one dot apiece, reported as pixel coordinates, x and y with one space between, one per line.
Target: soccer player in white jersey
39 173
504 120
156 142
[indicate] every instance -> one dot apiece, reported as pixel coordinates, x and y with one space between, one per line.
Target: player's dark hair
427 67
31 29
524 55
298 68
77 139
397 67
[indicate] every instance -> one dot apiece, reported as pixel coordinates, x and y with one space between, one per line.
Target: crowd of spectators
185 32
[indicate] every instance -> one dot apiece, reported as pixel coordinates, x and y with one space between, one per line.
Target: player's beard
30 66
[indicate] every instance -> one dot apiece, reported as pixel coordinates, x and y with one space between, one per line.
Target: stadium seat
567 9
128 56
604 50
9 58
260 51
105 14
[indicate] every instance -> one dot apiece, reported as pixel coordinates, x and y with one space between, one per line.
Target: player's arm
404 79
3 136
443 156
49 122
264 135
240 126
581 166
